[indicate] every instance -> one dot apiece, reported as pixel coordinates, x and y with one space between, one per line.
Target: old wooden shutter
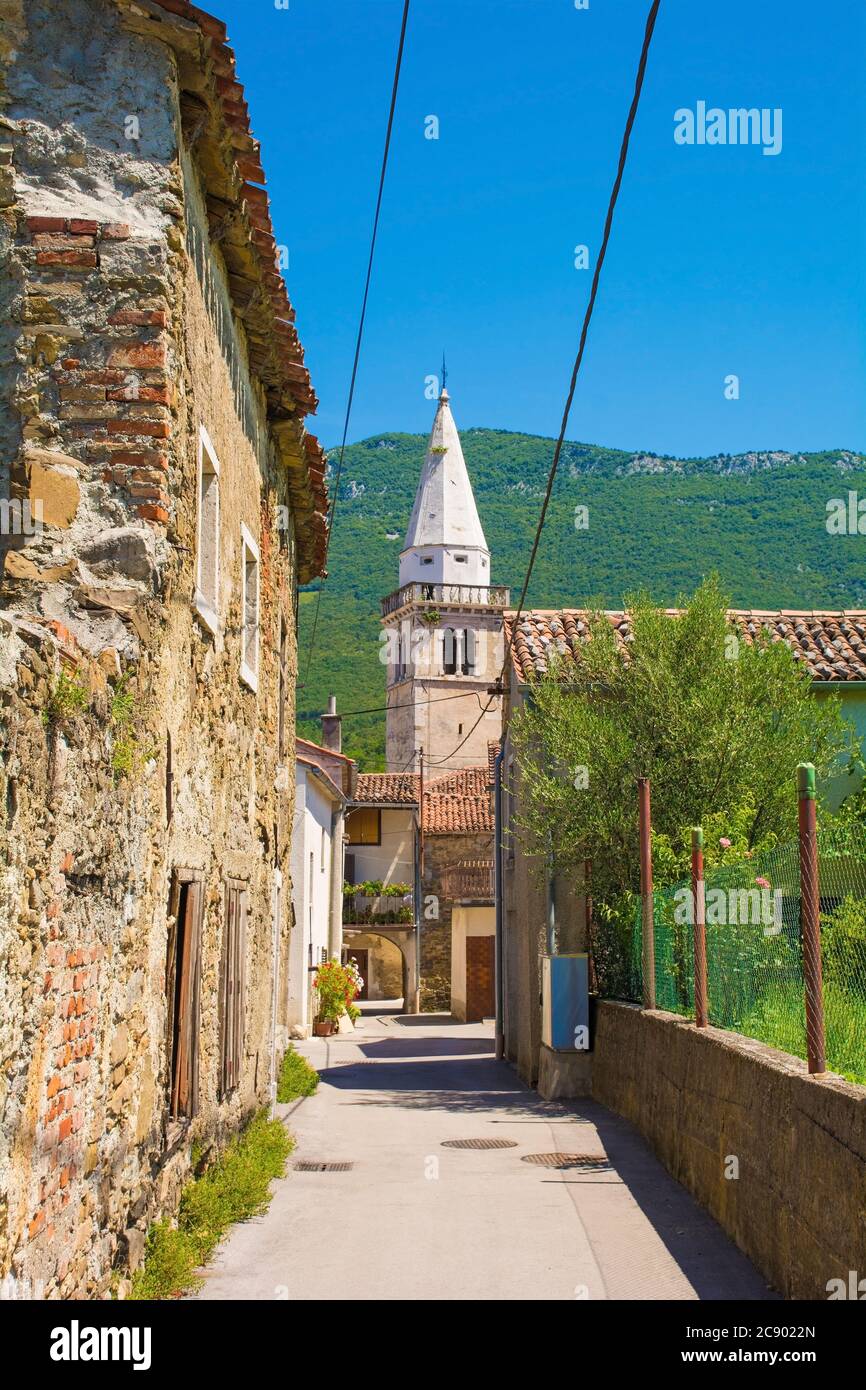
233 987
184 989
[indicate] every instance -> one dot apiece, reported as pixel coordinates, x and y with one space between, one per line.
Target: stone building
161 502
380 927
442 628
324 780
442 853
444 648
458 921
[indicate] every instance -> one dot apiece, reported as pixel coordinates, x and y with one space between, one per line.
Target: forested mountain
758 519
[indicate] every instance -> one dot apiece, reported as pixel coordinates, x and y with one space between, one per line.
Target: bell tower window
468 666
449 652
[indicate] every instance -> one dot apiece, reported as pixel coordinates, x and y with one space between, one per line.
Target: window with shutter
449 652
232 1001
183 988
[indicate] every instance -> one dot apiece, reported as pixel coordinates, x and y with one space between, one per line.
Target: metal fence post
700 928
810 920
648 953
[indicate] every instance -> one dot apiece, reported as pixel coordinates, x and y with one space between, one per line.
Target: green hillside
660 523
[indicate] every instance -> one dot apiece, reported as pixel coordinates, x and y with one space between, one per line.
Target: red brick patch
138 355
46 224
148 512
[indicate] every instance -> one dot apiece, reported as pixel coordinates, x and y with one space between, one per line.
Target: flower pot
323 1028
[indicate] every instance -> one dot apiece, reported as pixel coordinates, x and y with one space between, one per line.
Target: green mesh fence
754 957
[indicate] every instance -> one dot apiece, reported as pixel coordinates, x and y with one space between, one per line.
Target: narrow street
411 1219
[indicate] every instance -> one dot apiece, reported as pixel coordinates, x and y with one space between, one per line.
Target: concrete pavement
412 1219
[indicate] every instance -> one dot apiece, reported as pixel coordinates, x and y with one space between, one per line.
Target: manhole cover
479 1144
587 1161
310 1165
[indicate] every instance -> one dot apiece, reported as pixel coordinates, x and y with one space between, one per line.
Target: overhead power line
360 335
405 704
650 26
623 153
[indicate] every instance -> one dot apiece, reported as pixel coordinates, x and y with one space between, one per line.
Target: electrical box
565 1002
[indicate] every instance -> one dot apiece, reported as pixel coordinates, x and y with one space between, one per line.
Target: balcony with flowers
374 903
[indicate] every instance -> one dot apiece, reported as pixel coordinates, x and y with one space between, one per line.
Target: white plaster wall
311 892
393 861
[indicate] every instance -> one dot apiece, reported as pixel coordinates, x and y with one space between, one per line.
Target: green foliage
778 1019
374 888
719 730
759 520
843 944
720 738
68 698
127 753
297 1078
235 1188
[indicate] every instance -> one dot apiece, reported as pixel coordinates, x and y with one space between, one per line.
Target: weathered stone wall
131 746
703 1097
440 852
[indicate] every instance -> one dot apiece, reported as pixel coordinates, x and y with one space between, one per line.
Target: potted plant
337 987
330 984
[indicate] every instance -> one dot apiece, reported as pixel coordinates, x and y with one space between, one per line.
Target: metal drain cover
310 1165
479 1143
587 1161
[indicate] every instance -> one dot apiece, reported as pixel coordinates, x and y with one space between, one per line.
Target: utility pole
417 982
646 894
810 921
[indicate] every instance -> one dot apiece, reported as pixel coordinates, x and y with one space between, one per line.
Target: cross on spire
444 371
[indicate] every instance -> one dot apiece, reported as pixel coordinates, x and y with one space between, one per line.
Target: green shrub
235 1188
297 1078
68 698
843 942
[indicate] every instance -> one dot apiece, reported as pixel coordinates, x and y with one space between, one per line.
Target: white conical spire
445 542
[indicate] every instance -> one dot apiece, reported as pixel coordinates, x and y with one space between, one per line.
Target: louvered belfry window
233 986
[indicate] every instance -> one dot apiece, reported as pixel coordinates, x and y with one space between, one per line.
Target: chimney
332 737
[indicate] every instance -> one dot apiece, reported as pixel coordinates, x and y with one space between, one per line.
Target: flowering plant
336 985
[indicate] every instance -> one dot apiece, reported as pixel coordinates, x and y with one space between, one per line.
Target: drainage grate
586 1161
309 1165
479 1144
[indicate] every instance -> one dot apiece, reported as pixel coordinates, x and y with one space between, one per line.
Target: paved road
414 1220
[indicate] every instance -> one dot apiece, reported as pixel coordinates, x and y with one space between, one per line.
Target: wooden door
363 958
480 978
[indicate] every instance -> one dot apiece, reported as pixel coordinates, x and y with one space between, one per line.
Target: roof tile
459 802
832 644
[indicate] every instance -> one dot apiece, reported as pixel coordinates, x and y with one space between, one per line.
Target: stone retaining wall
712 1104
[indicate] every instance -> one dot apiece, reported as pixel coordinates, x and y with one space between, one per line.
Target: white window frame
250 674
207 606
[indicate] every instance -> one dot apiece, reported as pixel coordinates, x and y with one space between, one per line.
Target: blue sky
722 261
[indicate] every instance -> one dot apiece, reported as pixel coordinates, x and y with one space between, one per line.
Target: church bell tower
442 638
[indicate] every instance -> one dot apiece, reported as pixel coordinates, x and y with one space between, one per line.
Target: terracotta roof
215 119
320 748
387 789
492 754
832 644
460 802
